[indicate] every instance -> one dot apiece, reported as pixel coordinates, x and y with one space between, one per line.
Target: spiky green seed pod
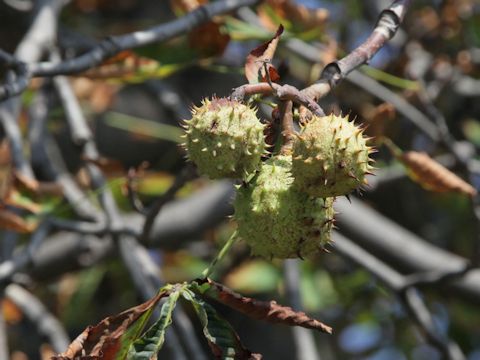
277 219
224 138
330 157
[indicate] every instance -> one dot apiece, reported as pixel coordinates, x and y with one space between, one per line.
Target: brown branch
282 92
288 131
386 27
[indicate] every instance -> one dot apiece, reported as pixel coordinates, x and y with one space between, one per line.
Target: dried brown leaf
15 199
6 175
103 340
181 7
307 18
13 222
260 310
11 312
26 181
98 93
109 166
254 65
123 65
378 118
433 176
208 39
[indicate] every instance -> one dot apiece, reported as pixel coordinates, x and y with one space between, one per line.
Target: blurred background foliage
136 101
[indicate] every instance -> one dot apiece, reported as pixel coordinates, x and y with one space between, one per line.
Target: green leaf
390 79
255 276
131 334
240 30
471 130
144 127
147 347
221 337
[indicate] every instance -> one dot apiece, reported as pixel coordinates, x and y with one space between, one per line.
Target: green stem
209 270
394 149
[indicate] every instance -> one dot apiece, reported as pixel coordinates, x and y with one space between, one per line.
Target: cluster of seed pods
284 207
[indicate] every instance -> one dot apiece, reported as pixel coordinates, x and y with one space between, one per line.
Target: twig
8 120
133 198
79 227
37 114
114 44
47 160
39 36
403 250
79 130
146 277
106 199
408 295
310 53
169 98
18 75
46 324
449 142
415 116
24 258
304 340
211 267
399 247
288 131
4 354
9 241
283 92
142 271
435 277
415 305
187 174
387 25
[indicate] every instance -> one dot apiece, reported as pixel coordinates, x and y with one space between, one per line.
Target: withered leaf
98 93
26 181
124 65
306 18
181 7
256 309
254 65
378 118
13 222
208 39
6 175
104 340
433 176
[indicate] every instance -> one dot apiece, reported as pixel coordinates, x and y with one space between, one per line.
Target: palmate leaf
111 338
131 334
221 337
147 347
